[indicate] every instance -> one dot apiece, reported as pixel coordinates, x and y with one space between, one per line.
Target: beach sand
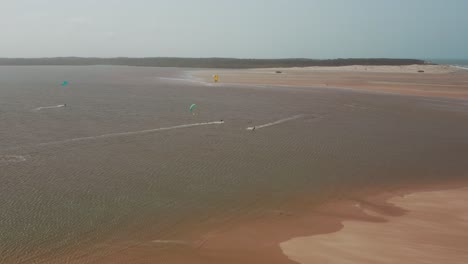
435 80
433 228
399 226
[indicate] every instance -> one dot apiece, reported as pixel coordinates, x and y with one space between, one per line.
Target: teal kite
64 83
192 107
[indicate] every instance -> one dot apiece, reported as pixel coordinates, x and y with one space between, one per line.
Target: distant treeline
206 62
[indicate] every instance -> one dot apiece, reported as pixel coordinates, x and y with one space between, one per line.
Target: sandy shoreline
406 225
425 227
417 215
435 80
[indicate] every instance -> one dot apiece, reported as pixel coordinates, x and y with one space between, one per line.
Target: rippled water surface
117 155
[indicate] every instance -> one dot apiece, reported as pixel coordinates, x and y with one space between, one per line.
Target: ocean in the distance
463 63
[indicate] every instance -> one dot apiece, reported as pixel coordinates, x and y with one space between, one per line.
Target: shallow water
67 197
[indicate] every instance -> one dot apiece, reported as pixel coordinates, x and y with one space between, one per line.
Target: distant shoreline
422 80
227 63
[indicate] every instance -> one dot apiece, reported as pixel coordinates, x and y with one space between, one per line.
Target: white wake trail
48 107
7 159
275 123
192 81
110 135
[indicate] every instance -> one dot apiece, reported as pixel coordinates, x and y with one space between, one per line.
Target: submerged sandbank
406 225
432 229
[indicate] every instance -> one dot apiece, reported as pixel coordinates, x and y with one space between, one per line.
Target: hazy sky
235 28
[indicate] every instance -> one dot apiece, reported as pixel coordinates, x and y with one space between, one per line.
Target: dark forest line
229 63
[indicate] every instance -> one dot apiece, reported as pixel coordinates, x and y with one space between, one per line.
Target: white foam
460 67
275 123
48 107
6 159
130 133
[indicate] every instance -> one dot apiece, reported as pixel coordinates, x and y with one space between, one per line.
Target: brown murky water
72 180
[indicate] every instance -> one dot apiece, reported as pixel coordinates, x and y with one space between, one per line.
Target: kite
192 107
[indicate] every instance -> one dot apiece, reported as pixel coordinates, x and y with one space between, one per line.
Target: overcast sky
235 28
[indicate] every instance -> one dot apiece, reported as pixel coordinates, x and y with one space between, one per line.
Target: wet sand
436 80
421 227
408 225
